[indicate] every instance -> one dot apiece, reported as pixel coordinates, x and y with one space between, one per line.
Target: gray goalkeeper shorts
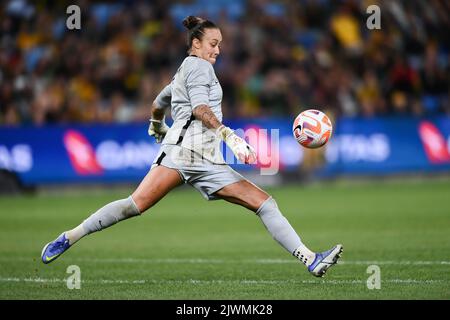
204 175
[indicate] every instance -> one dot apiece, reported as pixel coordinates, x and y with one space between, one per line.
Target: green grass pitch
188 248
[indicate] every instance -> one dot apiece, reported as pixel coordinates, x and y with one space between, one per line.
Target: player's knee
142 203
260 198
265 202
130 207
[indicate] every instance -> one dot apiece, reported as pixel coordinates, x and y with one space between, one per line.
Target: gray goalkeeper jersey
195 83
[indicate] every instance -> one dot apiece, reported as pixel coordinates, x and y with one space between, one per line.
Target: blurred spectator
278 58
346 29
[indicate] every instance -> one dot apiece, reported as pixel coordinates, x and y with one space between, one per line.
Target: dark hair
196 27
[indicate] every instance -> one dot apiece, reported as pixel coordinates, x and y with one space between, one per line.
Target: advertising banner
391 145
124 152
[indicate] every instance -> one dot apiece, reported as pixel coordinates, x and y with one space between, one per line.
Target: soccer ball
312 128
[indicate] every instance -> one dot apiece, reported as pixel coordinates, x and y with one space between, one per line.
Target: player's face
209 47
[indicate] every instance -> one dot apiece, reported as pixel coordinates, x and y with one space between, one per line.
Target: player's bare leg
156 184
250 196
245 194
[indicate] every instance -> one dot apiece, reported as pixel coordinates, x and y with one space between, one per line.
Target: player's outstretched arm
206 116
241 149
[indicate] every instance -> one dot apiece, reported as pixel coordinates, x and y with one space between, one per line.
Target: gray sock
110 214
278 226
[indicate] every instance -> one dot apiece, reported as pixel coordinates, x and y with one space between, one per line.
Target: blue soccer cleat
325 260
54 249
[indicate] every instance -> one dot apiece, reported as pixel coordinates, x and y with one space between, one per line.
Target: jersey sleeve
164 98
198 83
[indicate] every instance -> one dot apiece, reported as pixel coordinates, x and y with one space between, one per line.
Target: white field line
219 281
225 261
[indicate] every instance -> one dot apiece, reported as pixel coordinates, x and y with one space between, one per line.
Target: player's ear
196 43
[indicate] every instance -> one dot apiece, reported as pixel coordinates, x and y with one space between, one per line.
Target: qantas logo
81 153
434 143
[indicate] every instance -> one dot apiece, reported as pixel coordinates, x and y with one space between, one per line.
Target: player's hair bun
191 22
196 27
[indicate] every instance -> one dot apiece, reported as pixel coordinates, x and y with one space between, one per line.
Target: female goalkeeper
190 152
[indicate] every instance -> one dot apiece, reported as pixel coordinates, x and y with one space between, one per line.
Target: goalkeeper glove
241 149
158 129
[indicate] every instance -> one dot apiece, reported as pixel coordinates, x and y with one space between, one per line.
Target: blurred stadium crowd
277 58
